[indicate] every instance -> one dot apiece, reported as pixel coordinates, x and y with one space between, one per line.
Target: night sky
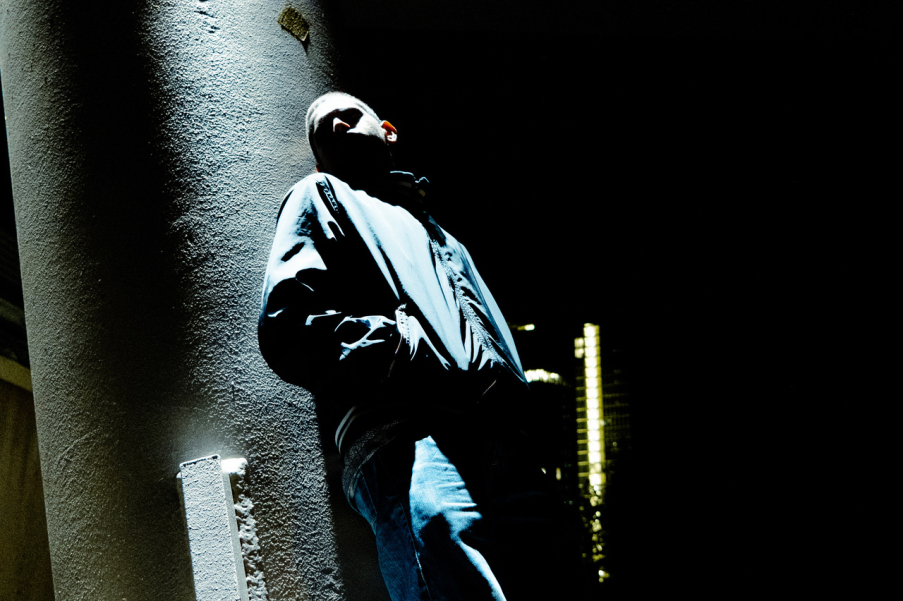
695 193
698 196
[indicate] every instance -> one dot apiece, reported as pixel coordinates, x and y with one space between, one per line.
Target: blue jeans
463 517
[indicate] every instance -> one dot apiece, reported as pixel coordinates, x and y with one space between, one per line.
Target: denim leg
523 532
428 528
383 502
465 519
448 529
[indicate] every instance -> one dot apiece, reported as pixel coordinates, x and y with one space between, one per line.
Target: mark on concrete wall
209 17
292 21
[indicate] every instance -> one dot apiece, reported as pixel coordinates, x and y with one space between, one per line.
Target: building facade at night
583 427
603 433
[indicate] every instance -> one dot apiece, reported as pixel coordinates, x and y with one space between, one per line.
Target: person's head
347 137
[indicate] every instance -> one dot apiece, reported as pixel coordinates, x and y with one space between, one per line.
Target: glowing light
541 375
529 327
591 416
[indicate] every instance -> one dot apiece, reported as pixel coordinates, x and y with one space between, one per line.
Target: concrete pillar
150 146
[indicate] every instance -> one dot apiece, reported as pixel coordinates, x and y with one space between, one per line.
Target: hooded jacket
369 304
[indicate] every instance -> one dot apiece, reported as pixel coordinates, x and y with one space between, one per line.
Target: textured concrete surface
24 551
249 542
150 147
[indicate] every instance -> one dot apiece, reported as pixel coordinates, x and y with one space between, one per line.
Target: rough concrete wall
24 552
150 147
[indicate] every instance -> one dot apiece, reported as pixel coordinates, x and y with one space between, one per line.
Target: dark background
708 186
713 201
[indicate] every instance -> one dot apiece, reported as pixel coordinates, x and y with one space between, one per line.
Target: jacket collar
399 188
396 187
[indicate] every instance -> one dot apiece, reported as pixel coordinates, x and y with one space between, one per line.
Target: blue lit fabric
365 295
464 513
431 534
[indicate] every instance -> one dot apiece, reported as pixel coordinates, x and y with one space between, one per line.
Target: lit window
541 375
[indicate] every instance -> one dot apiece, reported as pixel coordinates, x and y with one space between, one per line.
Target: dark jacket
367 301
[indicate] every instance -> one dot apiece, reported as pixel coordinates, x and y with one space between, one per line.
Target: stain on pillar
293 22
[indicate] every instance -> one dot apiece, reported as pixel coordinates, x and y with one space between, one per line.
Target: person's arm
312 326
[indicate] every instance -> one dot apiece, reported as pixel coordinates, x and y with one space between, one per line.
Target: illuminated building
581 429
590 415
603 432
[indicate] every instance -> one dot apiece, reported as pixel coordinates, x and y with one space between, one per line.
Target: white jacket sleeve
320 315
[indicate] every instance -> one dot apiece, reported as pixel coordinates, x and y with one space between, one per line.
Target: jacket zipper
475 326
